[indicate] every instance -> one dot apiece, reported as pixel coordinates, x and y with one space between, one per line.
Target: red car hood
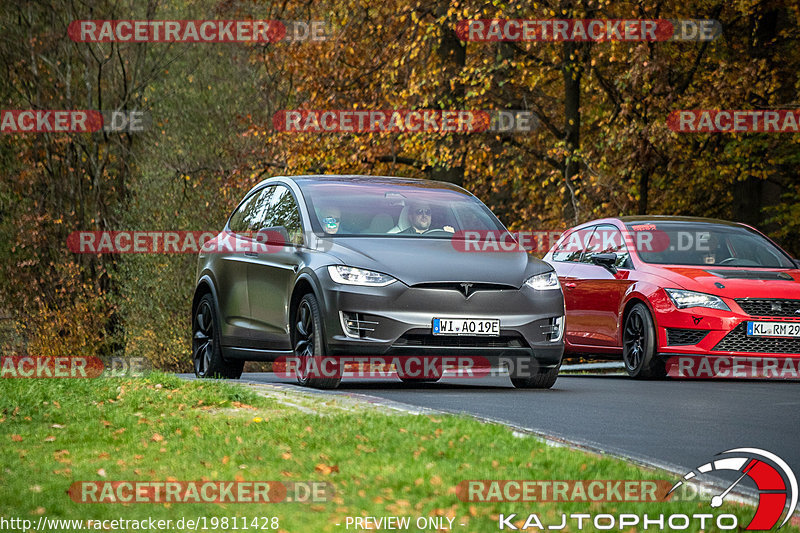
736 282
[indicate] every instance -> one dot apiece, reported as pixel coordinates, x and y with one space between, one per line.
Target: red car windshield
705 244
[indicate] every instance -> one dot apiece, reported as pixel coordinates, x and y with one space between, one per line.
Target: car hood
428 260
735 282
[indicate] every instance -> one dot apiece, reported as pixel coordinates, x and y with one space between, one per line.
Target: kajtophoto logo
775 481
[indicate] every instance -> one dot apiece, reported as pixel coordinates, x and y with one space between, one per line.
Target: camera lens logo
775 481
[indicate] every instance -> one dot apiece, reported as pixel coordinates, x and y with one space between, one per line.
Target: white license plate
467 326
774 329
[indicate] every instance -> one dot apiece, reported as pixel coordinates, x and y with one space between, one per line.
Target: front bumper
397 321
701 331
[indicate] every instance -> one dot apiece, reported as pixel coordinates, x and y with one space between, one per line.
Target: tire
639 345
309 345
543 379
206 349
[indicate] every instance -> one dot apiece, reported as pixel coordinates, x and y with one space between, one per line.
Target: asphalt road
676 424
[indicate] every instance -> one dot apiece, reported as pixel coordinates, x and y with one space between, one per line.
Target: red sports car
648 288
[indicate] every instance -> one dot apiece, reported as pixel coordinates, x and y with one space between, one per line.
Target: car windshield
705 244
351 208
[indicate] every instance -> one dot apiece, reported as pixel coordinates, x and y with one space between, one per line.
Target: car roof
671 218
358 178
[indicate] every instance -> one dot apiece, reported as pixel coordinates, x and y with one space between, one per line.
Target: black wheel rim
634 341
304 339
203 341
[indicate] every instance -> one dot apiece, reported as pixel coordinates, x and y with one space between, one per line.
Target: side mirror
607 261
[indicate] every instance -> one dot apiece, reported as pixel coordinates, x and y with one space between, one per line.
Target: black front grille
457 286
459 341
685 337
738 341
770 307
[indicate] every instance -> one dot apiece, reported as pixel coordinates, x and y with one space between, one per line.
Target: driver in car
420 218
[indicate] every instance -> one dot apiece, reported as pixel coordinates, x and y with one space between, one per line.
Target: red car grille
738 341
685 337
770 307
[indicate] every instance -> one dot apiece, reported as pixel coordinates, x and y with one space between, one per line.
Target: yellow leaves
326 470
157 437
16 438
60 456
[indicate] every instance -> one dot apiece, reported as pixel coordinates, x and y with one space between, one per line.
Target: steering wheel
436 231
742 262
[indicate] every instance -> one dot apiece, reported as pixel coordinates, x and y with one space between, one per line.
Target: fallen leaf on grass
326 469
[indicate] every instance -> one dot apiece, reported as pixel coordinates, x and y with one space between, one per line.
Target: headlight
358 276
683 299
543 282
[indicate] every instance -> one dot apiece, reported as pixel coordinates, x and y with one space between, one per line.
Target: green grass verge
55 432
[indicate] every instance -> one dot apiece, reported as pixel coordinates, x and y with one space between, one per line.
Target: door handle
570 285
251 254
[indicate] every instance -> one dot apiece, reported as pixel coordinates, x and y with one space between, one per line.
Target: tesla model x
330 267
